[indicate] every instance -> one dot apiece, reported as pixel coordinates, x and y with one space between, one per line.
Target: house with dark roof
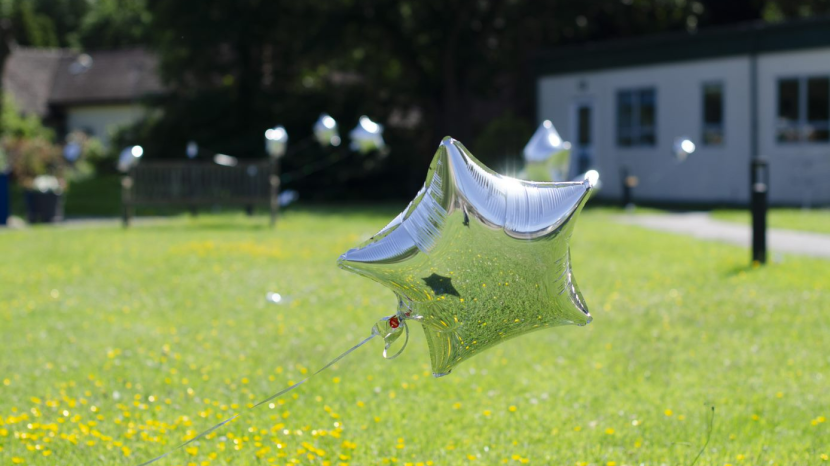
745 91
95 92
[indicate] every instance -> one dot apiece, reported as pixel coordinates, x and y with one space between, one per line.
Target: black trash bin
44 207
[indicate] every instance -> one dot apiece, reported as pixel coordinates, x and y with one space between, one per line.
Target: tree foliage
80 24
424 68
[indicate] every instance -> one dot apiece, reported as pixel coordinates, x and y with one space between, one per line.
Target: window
636 117
804 109
712 114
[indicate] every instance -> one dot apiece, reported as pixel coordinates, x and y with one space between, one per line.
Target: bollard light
759 181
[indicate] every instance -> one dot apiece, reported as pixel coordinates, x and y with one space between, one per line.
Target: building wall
799 172
101 120
713 174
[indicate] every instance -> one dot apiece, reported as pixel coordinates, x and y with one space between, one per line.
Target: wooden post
274 182
127 199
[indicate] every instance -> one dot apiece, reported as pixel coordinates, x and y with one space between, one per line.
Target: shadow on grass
737 270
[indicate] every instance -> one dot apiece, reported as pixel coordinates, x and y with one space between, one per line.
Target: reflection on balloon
477 258
547 156
326 131
367 136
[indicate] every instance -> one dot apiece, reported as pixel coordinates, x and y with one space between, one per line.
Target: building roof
739 39
40 78
28 76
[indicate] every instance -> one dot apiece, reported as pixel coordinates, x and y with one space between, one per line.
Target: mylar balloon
276 140
128 158
477 258
547 156
682 148
325 131
367 136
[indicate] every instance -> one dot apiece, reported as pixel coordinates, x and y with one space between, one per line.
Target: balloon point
394 322
591 178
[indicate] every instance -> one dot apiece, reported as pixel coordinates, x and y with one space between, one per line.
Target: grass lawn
118 344
815 220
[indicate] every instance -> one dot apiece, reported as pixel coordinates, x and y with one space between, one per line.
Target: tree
113 24
454 66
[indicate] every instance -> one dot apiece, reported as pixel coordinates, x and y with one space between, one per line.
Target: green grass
815 220
137 338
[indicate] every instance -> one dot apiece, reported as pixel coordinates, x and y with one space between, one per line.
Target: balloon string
280 393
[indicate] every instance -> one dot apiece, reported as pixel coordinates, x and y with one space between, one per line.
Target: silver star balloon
276 140
477 258
367 136
547 156
326 131
682 148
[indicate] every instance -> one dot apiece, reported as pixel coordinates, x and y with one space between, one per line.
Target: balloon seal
390 329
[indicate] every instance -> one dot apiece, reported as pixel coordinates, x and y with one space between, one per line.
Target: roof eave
736 40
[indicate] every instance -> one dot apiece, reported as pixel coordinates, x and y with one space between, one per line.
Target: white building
623 103
95 93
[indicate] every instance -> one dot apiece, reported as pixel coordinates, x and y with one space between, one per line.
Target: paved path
701 225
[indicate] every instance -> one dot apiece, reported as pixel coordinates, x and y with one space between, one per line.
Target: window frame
802 123
635 131
704 126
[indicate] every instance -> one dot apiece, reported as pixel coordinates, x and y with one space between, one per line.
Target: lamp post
127 161
276 140
759 179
